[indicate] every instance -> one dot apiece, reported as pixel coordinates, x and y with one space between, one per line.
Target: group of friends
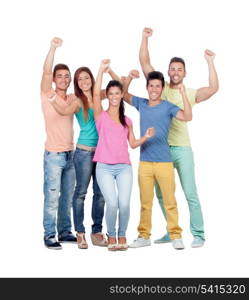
102 155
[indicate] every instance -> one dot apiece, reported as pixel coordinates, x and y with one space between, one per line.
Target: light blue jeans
59 182
183 160
117 200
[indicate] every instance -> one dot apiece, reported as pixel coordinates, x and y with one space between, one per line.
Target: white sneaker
178 244
140 242
197 242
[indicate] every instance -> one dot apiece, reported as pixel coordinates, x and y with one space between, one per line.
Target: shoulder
139 99
128 121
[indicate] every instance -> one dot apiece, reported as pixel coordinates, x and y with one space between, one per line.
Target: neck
61 93
113 110
174 86
88 94
154 102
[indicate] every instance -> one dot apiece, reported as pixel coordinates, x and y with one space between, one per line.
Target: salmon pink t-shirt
59 128
112 147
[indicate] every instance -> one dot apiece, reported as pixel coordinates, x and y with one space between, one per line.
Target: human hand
134 74
209 55
150 132
51 96
56 42
181 88
105 64
147 32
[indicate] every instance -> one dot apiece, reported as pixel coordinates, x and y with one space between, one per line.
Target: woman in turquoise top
82 105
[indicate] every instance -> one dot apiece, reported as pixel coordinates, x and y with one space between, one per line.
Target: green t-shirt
88 133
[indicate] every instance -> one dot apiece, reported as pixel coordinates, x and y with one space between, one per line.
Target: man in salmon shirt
59 173
179 141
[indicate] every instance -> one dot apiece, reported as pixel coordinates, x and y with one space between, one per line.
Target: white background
93 30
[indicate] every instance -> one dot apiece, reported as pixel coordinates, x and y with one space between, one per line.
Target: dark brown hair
78 92
60 67
155 75
118 84
177 59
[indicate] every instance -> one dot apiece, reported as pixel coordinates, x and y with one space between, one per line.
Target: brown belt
87 148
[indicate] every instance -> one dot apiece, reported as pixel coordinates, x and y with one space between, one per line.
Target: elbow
189 118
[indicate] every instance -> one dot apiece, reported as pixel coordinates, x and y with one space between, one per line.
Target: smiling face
62 79
176 73
114 96
84 82
154 89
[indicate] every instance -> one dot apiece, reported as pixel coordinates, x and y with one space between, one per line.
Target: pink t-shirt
59 128
112 147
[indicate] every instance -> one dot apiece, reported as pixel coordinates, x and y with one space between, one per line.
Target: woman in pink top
112 157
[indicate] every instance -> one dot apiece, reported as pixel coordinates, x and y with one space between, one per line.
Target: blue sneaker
51 243
197 242
164 239
67 238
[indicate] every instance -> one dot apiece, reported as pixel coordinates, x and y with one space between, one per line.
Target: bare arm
206 92
186 113
97 107
73 106
47 76
126 83
136 143
114 76
144 56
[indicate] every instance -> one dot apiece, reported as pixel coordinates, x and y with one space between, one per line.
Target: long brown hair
78 92
121 106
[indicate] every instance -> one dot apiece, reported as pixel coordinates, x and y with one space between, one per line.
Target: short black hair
155 75
177 59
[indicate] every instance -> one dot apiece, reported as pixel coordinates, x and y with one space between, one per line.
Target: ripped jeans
59 182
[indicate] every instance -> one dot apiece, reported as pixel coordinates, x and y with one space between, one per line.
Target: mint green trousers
183 161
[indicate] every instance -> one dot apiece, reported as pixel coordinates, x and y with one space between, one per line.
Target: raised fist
147 32
150 132
181 88
134 74
56 42
209 55
105 64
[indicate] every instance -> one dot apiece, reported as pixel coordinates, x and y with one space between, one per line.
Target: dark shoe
69 238
51 243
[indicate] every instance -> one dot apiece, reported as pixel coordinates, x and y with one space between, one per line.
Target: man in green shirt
180 147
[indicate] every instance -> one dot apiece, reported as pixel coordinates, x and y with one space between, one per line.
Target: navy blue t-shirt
156 148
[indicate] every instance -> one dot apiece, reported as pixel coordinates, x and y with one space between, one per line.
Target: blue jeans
59 181
85 169
106 175
183 160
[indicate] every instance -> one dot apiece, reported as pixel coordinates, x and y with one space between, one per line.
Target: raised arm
114 76
136 143
144 56
206 92
73 106
47 76
186 113
97 107
126 83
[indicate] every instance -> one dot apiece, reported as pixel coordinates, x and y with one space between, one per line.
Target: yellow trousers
163 173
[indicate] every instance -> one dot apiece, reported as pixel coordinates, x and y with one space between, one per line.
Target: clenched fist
56 42
209 55
134 74
147 32
150 132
